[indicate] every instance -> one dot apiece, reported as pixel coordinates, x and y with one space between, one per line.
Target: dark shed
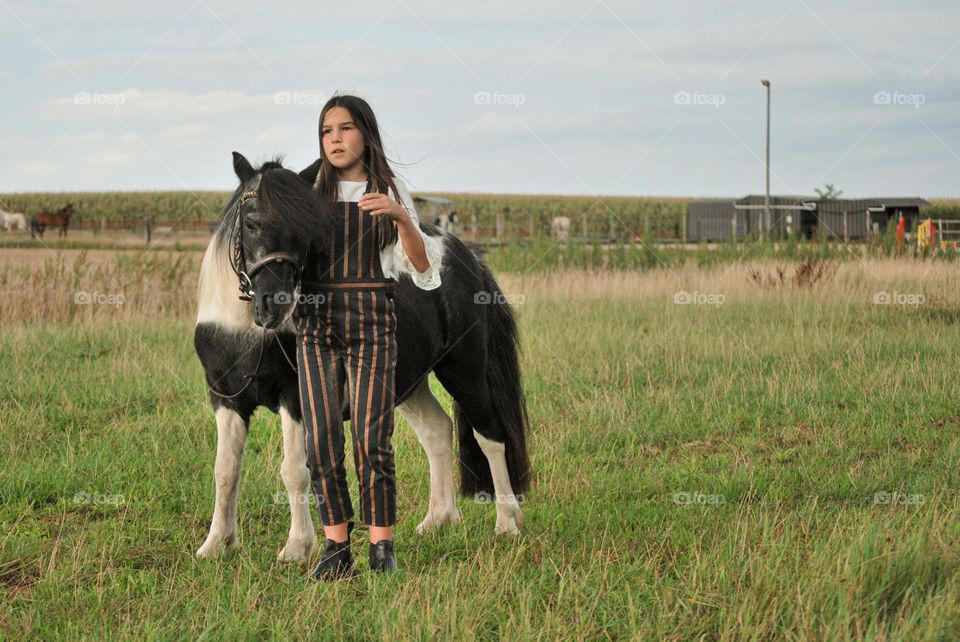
808 216
860 218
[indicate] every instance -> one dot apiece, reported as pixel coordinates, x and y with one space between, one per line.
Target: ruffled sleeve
429 279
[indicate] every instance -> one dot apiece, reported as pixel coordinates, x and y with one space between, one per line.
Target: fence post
846 234
148 227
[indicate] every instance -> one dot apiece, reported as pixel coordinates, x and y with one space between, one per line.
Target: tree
828 193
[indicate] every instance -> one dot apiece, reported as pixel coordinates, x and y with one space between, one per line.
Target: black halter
239 262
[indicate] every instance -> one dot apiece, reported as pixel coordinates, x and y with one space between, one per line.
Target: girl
349 336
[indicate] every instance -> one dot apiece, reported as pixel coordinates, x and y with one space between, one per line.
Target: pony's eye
251 226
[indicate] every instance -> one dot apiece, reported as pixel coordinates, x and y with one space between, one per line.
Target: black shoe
336 562
382 559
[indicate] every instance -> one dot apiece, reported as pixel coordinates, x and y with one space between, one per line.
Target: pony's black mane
285 199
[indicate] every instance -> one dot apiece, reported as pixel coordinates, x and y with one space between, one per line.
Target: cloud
237 61
170 105
163 93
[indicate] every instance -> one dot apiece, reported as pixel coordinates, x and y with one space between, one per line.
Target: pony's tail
509 407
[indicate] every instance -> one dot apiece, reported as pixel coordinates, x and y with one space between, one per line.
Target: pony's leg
434 429
296 477
477 413
509 515
231 438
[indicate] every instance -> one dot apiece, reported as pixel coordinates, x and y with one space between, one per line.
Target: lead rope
285 356
249 378
256 371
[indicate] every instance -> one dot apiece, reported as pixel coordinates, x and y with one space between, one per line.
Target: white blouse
393 258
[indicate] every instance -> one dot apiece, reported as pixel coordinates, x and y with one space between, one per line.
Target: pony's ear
242 167
310 174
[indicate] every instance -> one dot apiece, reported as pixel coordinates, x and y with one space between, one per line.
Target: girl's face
343 144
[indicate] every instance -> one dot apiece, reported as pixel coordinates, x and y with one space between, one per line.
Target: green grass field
764 462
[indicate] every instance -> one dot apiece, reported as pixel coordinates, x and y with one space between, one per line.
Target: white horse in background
561 228
10 221
449 223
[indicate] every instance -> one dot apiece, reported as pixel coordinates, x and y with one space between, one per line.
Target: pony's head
274 225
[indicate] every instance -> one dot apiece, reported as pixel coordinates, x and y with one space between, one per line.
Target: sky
594 97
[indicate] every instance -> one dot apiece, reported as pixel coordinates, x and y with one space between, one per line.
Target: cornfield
481 216
520 215
122 209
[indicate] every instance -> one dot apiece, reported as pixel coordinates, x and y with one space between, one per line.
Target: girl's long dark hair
374 160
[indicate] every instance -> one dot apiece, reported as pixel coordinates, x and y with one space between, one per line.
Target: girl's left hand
381 205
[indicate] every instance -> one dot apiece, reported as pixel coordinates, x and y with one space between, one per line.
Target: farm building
808 216
431 208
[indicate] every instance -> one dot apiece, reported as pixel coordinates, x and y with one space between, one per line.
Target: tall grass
71 289
546 254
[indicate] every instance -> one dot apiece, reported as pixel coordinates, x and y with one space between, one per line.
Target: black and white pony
269 237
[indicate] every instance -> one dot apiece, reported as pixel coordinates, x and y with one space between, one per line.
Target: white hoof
509 518
438 518
297 550
216 545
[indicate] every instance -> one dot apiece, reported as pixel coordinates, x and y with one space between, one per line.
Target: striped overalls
346 332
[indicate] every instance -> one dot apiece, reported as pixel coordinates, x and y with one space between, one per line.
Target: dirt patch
18 574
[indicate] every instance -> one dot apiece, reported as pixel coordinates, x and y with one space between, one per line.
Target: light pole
766 199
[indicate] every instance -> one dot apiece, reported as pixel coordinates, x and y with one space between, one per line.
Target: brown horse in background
43 220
